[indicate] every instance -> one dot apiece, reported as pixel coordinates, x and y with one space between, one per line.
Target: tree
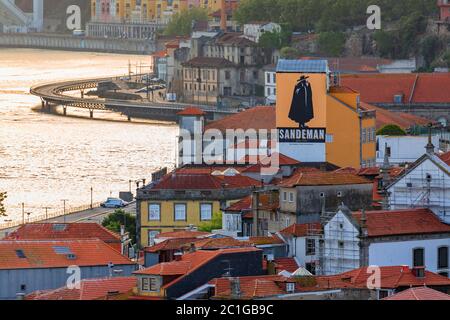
275 39
430 47
331 43
119 217
289 53
182 22
391 130
385 42
3 197
214 224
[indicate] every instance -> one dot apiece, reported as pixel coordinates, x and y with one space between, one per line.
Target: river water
45 158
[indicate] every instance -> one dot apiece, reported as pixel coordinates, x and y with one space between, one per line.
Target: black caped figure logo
302 109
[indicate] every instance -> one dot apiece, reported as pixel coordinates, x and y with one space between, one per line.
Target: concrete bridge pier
65 110
82 94
91 113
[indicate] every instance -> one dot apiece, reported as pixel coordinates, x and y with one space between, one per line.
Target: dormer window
290 287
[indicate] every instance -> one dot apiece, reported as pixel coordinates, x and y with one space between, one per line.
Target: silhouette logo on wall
302 108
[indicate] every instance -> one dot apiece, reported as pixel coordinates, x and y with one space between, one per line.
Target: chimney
223 15
177 256
364 232
235 288
429 147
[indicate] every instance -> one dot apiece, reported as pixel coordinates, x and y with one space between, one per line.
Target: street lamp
46 212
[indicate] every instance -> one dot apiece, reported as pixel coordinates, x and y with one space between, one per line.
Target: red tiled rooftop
402 119
381 88
259 241
256 118
189 262
287 264
184 234
242 205
251 287
208 62
191 111
171 244
302 230
64 231
300 178
90 289
42 254
403 222
446 158
203 181
220 243
419 293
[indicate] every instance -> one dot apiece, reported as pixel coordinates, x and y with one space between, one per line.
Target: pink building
444 6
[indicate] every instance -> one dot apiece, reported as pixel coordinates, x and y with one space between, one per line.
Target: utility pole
23 212
46 212
64 208
92 197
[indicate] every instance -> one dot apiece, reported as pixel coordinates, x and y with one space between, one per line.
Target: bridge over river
56 94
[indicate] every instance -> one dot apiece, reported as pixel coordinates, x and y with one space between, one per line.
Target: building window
180 212
145 284
206 212
442 257
419 257
311 267
291 197
310 247
363 138
154 212
341 244
151 237
227 75
284 196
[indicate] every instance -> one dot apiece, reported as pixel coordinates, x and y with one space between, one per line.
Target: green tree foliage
119 217
289 53
391 130
3 197
430 47
182 22
328 15
214 224
276 39
331 43
443 61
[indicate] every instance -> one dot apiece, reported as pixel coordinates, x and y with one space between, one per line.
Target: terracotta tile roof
185 234
260 241
255 118
283 160
189 262
64 231
171 244
90 289
402 119
182 180
251 287
446 158
53 254
287 264
300 178
419 293
242 205
221 243
160 54
191 111
234 38
208 62
381 88
302 230
403 222
391 277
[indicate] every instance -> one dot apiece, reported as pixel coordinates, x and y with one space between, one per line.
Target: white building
402 149
412 237
254 31
270 86
303 244
425 183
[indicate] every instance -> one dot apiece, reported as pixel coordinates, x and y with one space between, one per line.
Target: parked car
114 203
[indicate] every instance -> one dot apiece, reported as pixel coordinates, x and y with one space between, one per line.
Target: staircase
10 14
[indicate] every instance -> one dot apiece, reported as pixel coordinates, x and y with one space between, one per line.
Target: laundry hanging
302 109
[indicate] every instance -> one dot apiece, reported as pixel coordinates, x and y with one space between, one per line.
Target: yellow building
148 9
185 198
319 122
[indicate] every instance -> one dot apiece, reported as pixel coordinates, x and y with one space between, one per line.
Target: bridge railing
49 215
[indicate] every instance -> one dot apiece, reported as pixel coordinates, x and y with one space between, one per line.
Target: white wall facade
298 250
254 31
403 148
270 86
413 189
400 253
341 246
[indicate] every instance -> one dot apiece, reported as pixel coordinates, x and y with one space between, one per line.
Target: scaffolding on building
339 248
425 188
